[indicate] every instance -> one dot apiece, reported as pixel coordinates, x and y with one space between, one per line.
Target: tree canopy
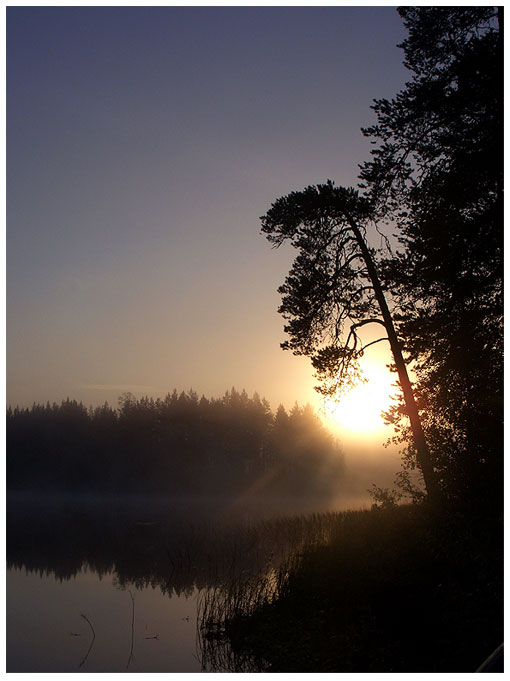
334 283
435 181
437 176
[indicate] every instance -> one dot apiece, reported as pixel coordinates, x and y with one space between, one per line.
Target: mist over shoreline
234 447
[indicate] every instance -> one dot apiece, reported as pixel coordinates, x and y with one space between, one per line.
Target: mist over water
119 521
123 573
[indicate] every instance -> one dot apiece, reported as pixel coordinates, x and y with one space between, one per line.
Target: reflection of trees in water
170 547
166 546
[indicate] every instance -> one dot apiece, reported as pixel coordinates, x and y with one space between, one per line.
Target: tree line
177 445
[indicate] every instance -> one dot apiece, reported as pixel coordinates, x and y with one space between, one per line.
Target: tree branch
385 338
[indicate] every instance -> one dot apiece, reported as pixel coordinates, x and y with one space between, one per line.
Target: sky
143 145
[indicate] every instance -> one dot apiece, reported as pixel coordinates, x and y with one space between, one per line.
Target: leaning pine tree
333 289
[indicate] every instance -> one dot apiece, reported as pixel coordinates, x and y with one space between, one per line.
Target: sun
359 410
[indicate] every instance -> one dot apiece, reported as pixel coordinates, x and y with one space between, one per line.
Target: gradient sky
143 144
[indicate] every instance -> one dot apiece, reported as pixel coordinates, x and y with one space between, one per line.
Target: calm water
113 585
46 632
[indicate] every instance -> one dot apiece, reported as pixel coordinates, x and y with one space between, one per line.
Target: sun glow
359 410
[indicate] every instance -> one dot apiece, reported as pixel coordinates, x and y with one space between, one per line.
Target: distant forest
179 444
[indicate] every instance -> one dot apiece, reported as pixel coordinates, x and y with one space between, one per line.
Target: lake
114 584
46 630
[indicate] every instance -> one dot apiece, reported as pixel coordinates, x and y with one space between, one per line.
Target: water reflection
46 630
112 585
175 545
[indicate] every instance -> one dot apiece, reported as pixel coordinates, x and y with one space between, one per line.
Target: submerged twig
93 639
132 629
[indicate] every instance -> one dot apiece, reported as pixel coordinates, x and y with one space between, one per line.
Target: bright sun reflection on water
359 409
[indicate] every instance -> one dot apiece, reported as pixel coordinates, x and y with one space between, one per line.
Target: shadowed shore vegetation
389 590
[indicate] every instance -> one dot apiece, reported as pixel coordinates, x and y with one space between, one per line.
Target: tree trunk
420 443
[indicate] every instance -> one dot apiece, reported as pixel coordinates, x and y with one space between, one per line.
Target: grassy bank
394 590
